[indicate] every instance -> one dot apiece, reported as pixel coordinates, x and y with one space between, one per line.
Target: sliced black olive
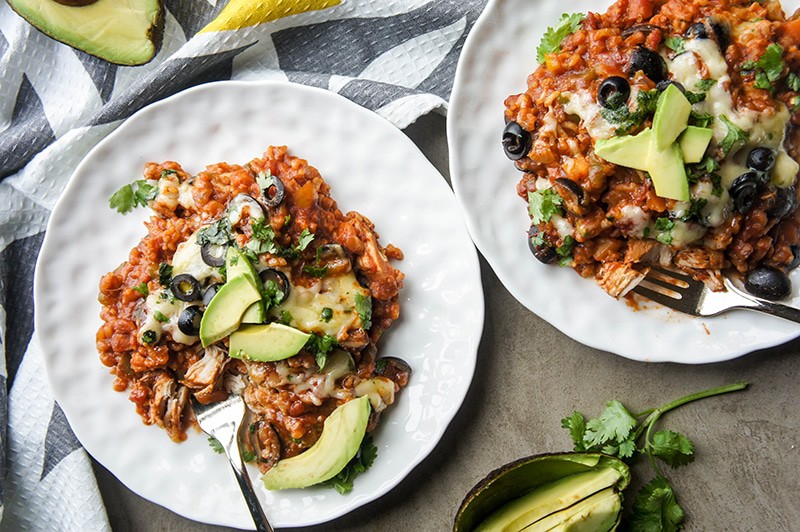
744 190
761 159
189 320
613 92
783 204
795 256
277 277
662 85
210 292
721 33
516 141
213 254
649 62
185 287
697 30
572 194
768 283
274 192
644 28
544 251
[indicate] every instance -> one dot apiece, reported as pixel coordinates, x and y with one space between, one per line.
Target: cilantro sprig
554 36
133 195
735 135
363 460
364 309
620 433
320 346
543 204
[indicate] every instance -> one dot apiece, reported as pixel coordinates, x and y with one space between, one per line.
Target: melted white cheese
334 292
584 105
187 259
168 310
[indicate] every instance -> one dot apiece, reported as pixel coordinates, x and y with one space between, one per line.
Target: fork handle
260 520
777 309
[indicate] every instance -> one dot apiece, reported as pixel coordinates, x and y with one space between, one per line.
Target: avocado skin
59 30
524 475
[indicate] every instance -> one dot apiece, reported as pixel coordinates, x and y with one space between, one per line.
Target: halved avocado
517 479
125 32
341 437
597 513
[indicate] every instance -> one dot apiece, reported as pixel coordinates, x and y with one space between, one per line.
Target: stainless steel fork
680 292
223 421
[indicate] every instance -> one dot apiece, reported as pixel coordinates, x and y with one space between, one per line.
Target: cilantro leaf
646 102
614 424
771 63
304 239
626 449
315 271
215 445
705 84
793 81
564 251
362 461
320 346
263 238
364 309
576 424
286 317
142 289
675 44
672 447
164 274
554 36
136 194
664 227
218 233
735 135
159 316
543 204
656 508
700 119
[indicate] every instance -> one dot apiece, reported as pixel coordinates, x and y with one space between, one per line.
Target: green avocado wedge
236 264
267 343
341 438
596 513
671 117
224 314
125 32
520 478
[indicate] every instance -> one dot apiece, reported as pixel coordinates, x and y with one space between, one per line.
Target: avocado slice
666 169
671 118
597 513
236 264
514 480
224 314
694 142
627 150
125 32
548 499
341 437
266 343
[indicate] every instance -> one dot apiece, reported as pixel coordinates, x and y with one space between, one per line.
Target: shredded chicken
618 278
205 375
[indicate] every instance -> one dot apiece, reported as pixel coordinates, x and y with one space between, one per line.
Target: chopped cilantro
554 36
793 82
380 365
164 274
248 455
795 103
168 171
695 209
136 194
622 116
700 119
363 460
315 271
768 68
364 309
142 289
285 317
218 233
271 294
705 84
159 316
320 346
735 135
326 314
564 251
543 204
215 445
149 337
265 180
664 227
263 239
304 239
695 97
675 44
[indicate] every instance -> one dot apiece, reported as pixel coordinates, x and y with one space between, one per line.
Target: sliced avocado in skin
668 173
627 150
266 343
236 264
597 513
125 32
224 313
341 437
694 142
671 118
518 478
548 499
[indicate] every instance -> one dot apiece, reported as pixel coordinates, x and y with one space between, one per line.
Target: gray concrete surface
529 376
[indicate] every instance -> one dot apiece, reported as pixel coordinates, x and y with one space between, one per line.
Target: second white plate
496 60
372 168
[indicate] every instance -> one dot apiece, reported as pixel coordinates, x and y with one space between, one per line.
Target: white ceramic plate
373 168
499 54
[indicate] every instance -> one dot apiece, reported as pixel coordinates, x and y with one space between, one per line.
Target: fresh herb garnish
272 295
315 271
265 180
320 346
159 316
364 309
248 455
380 365
285 317
263 239
700 119
735 135
554 36
218 233
136 194
543 204
304 239
617 432
164 274
326 314
768 68
705 84
675 44
149 337
564 251
664 227
696 207
695 97
363 460
142 289
168 171
625 119
215 445
793 82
